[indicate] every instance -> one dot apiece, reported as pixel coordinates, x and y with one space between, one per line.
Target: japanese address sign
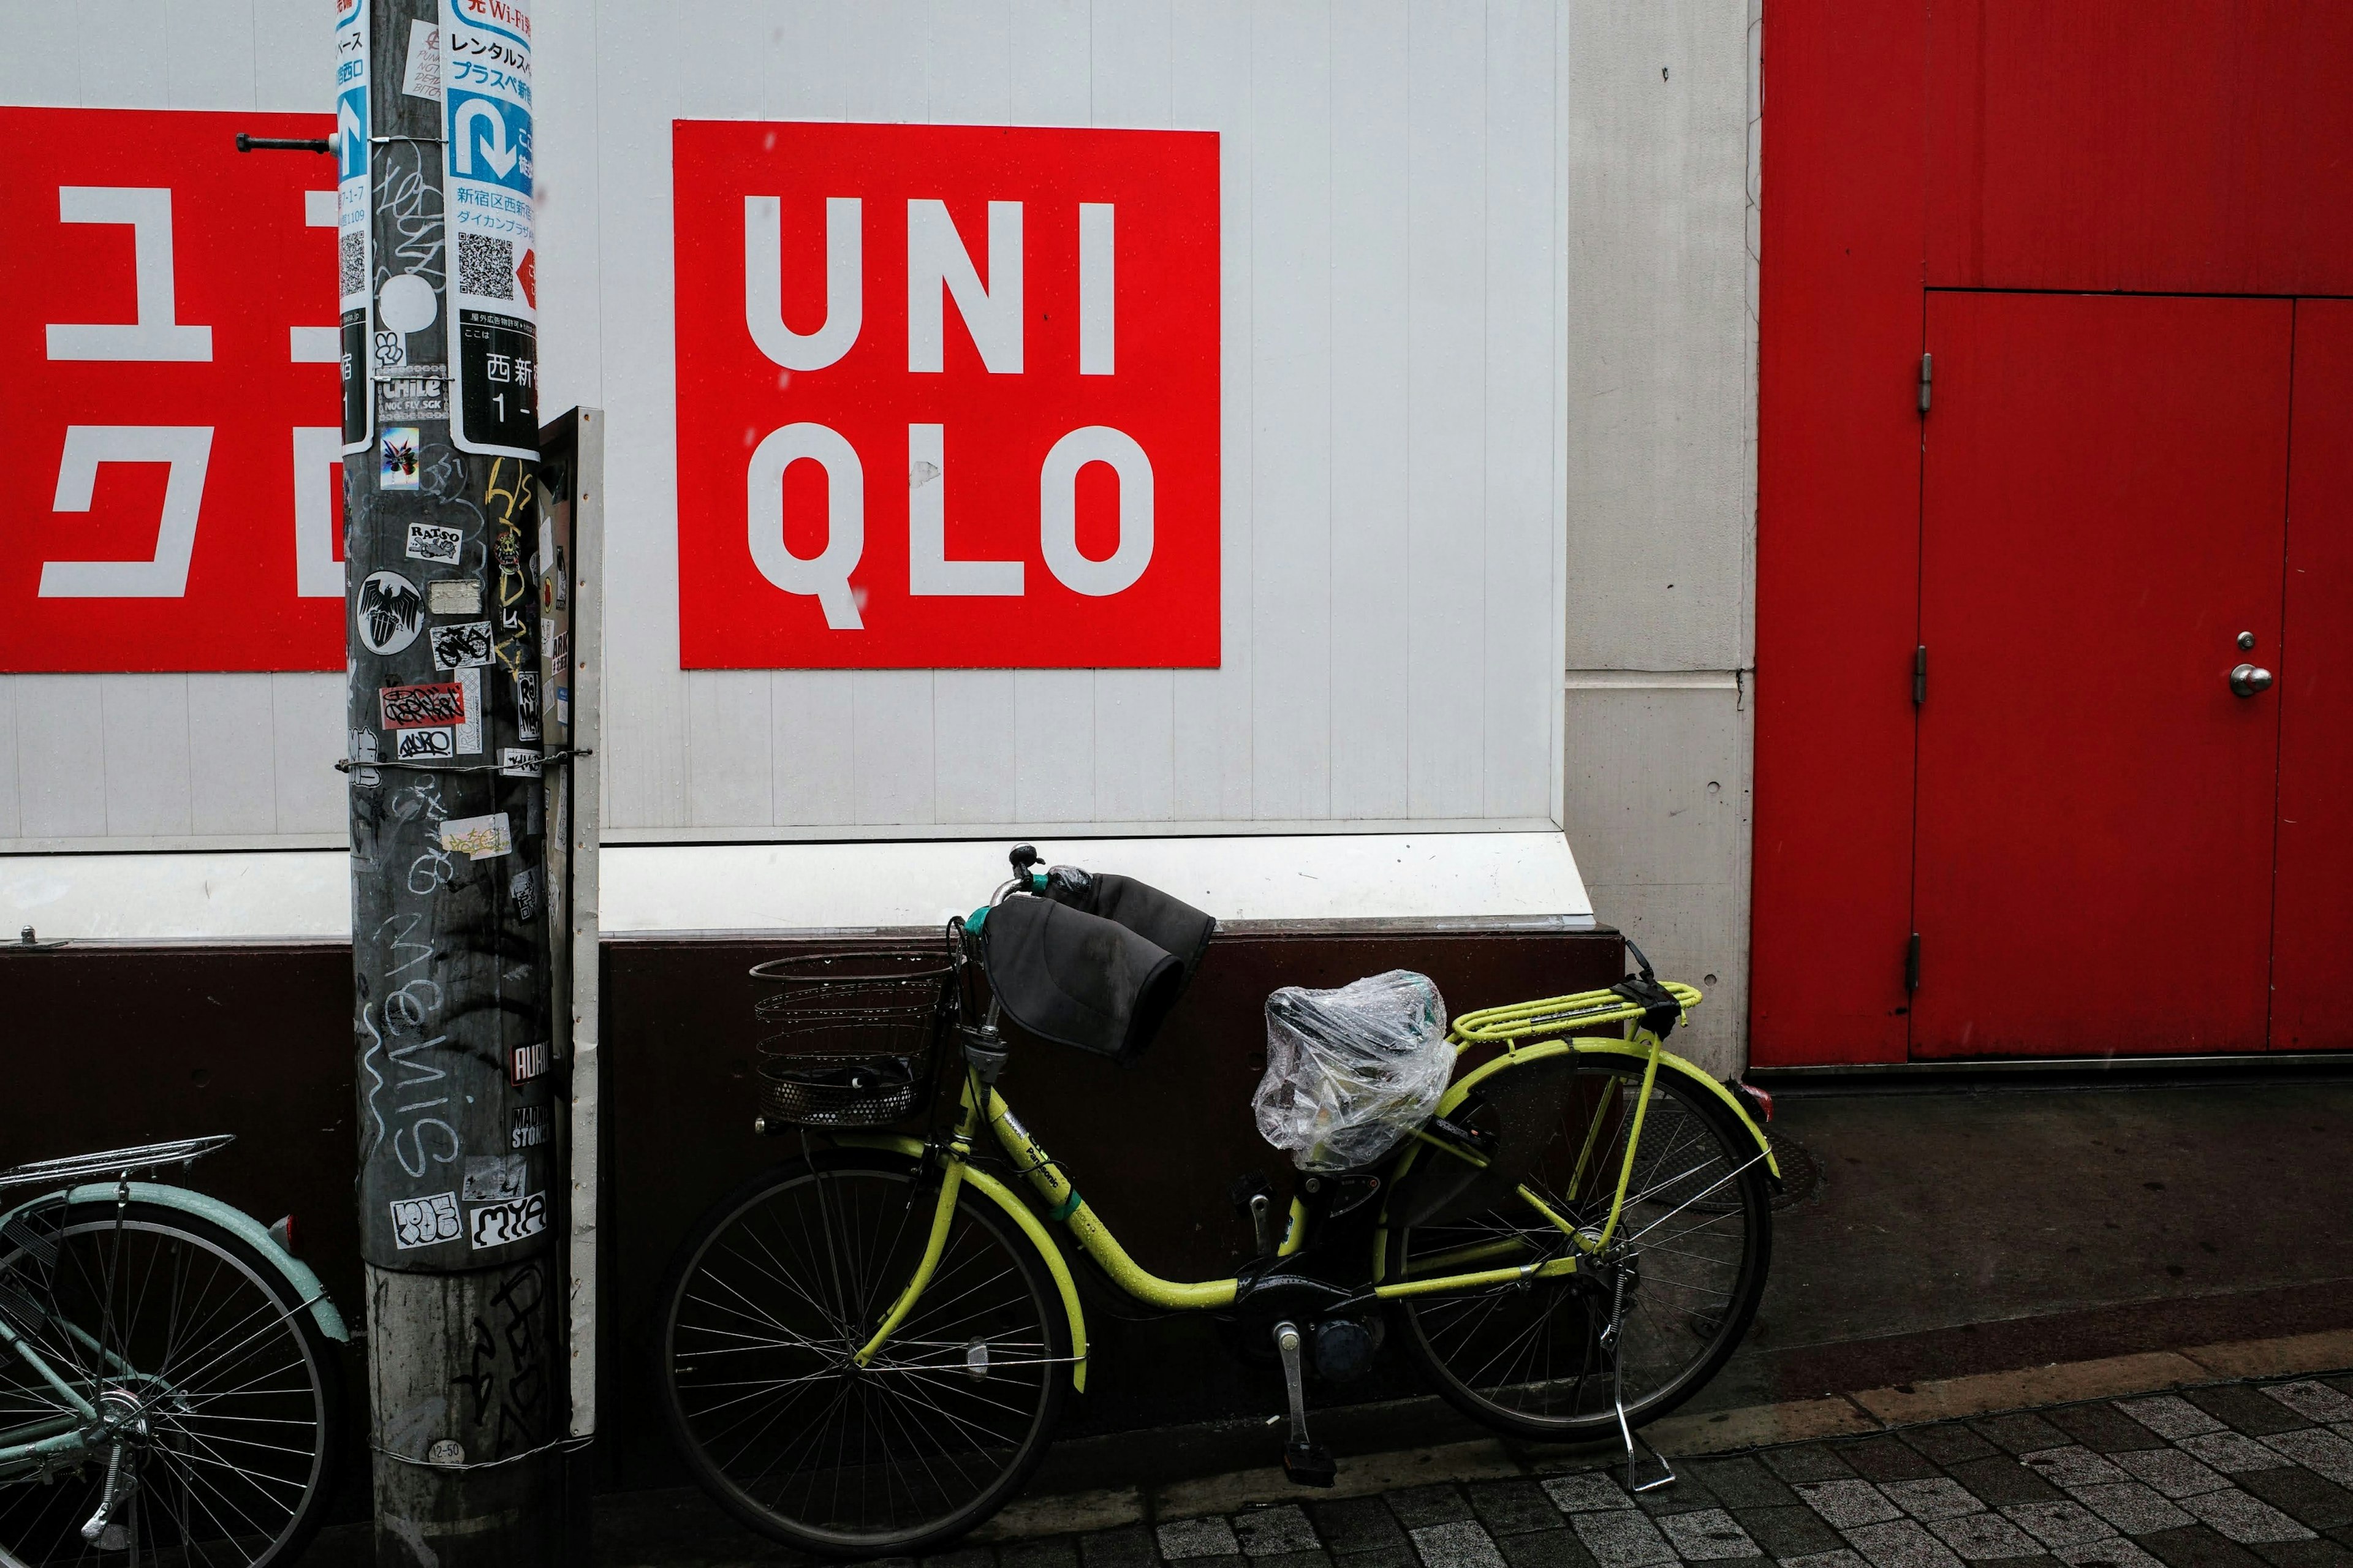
947 395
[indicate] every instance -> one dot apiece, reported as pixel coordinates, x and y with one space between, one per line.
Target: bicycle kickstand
1306 1462
1666 1475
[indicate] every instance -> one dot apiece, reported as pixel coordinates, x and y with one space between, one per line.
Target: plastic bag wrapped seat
1351 1073
1096 962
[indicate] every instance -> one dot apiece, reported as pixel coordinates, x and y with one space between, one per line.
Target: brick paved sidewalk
2227 1475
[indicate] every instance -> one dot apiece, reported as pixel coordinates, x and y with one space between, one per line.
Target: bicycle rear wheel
1691 1245
229 1396
764 1308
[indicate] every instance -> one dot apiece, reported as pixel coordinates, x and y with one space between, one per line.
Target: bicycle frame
1545 1021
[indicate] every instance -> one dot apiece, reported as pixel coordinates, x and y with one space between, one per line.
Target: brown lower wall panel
107 1044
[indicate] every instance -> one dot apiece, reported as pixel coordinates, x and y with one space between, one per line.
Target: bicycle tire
236 1466
880 1217
1679 1330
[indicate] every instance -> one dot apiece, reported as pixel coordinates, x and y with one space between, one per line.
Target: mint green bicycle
170 1390
862 1351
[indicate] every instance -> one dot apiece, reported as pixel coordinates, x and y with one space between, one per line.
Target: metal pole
459 1197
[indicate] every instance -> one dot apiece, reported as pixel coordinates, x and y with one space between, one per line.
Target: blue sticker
490 140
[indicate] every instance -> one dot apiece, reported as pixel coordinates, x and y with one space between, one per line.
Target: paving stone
1886 1459
1270 1531
1586 1491
2313 1400
2171 1472
2242 1518
1198 1538
2320 1553
2244 1408
2102 1429
1805 1462
2324 1453
1742 1483
1707 1536
1439 1504
2002 1480
2169 1416
1544 1549
1842 1558
1457 1545
2024 1433
2195 1546
2132 1508
1397 1556
982 1557
1903 1543
1947 1443
1984 1536
1053 1552
1622 1538
1127 1547
1513 1508
1688 1495
1357 1525
1316 1558
2073 1467
2303 1497
2113 1552
2232 1453
1929 1500
2058 1524
1788 1532
1847 1504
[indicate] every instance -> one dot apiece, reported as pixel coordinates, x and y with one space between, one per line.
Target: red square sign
947 396
169 365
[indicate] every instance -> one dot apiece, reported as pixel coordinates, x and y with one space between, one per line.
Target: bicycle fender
1031 1225
292 1270
1668 1062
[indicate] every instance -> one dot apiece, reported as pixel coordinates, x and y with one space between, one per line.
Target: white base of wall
652 890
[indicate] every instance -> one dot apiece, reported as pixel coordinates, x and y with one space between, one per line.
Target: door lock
2246 679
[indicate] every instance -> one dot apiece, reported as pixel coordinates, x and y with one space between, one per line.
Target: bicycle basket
853 1036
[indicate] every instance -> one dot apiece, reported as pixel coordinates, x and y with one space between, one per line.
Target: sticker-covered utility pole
458 1188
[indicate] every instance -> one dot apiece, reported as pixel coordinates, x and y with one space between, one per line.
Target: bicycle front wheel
763 1311
1689 1255
225 1396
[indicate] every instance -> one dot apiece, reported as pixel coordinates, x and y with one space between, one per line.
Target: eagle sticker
392 612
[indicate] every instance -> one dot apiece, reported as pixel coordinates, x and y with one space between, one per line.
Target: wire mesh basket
853 1035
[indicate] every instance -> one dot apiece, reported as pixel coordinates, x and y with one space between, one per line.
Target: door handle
2246 679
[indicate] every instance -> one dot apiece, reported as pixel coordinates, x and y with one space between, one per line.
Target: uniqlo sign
947 395
168 394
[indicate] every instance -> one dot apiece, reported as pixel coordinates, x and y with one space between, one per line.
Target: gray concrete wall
1664 100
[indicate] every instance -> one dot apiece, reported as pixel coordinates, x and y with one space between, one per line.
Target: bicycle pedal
1309 1465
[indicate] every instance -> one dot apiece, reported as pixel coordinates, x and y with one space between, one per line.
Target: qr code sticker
351 257
485 266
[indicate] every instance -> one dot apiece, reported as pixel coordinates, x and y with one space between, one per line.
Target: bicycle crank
1307 1462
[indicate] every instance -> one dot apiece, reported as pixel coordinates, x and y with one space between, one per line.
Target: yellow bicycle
863 1351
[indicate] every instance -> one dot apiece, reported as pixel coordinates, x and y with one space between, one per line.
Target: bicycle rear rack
113 1162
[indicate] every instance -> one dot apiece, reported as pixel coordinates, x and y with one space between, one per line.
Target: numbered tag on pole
493 261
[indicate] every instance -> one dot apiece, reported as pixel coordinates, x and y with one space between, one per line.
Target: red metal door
2102 514
2312 959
